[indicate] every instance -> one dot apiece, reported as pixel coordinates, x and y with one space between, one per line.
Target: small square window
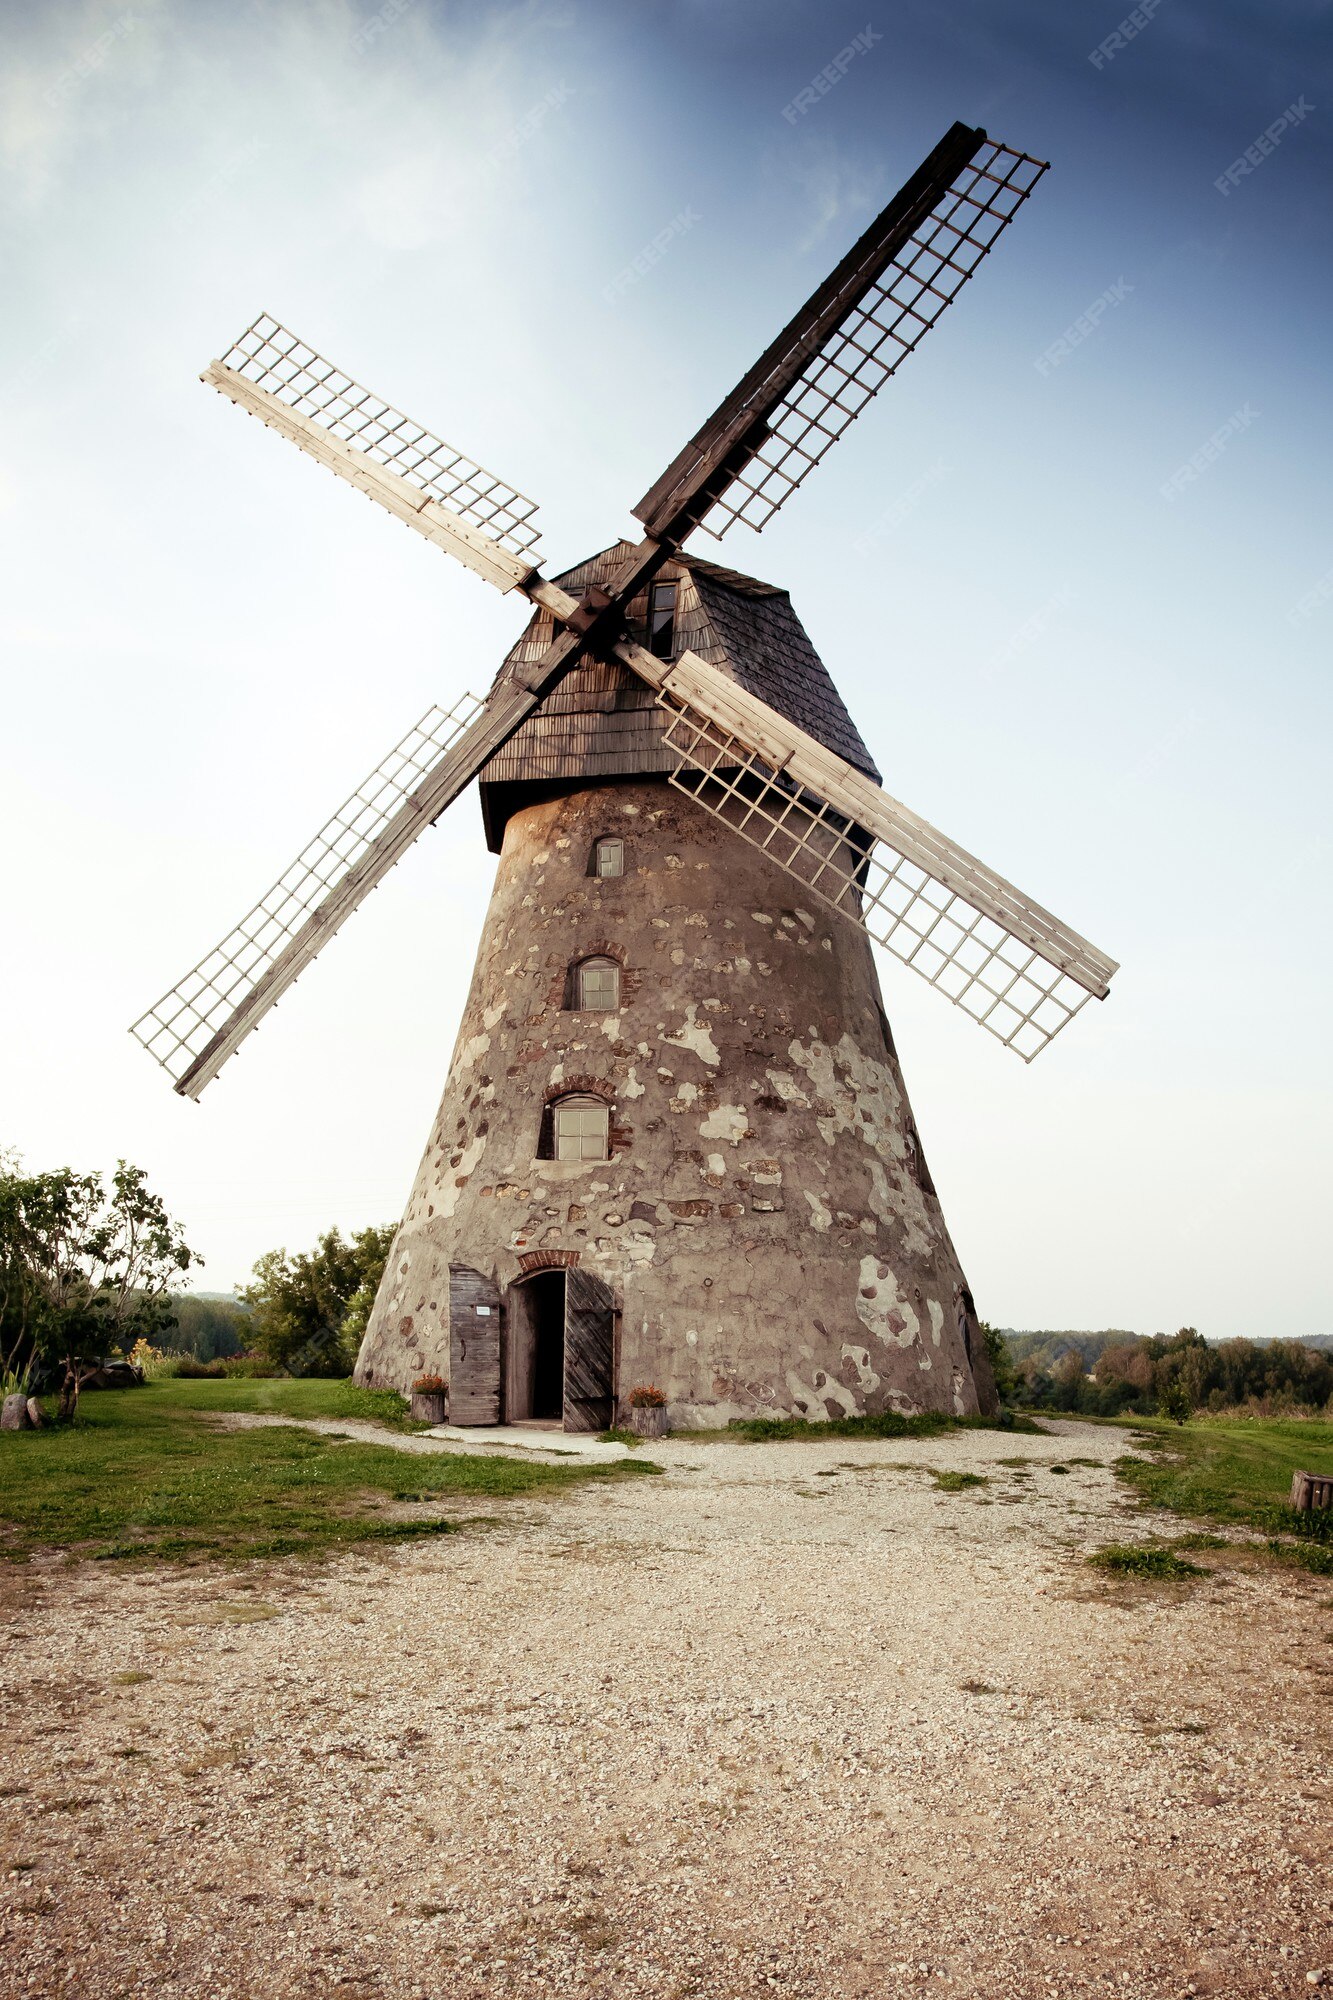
609 858
581 1129
599 985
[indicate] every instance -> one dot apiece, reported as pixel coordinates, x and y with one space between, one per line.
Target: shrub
1142 1559
429 1385
200 1371
645 1397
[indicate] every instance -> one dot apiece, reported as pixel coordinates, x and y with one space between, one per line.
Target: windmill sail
204 1018
851 335
276 361
1017 970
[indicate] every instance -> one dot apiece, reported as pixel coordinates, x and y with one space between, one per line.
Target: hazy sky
1116 697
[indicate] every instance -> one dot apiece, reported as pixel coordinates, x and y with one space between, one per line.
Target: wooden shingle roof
601 722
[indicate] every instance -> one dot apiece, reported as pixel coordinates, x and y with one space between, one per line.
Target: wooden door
590 1319
474 1347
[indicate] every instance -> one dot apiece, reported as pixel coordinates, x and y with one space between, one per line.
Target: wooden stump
648 1422
1310 1490
429 1408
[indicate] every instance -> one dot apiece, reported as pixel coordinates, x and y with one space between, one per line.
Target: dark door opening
535 1375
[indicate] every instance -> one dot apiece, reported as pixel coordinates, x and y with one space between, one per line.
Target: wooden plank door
590 1319
474 1347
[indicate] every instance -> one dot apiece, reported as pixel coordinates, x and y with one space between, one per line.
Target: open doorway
535 1371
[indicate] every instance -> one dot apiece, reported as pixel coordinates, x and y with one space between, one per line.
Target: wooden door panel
590 1319
474 1347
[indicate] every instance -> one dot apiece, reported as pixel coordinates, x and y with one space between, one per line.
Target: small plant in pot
430 1399
647 1411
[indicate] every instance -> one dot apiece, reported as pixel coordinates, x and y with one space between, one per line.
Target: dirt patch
683 1737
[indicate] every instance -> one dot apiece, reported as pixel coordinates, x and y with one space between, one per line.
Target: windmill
674 1147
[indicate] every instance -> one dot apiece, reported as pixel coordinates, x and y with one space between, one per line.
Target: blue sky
1117 698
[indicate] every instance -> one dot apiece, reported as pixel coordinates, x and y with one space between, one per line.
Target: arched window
580 1127
608 857
597 985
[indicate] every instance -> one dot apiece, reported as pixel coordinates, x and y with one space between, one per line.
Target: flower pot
430 1408
650 1421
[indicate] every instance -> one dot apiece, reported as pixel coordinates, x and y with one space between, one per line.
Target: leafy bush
645 1397
429 1385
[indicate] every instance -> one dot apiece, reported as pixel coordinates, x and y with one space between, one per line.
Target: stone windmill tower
675 1145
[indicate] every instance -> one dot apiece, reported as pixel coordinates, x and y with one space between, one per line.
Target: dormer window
661 619
608 858
597 985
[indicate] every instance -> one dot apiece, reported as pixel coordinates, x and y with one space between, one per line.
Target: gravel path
789 1719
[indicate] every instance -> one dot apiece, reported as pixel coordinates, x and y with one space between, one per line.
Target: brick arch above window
565 989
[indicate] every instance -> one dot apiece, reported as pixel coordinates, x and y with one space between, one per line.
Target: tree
310 1310
1001 1362
85 1271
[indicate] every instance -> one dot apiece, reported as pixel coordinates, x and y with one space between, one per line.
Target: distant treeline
1105 1374
209 1328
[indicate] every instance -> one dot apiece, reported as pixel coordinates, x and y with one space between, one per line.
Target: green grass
141 1474
957 1482
931 1423
1143 1559
1237 1471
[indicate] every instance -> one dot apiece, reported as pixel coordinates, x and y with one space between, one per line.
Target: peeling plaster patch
885 1310
804 917
865 1101
611 1027
717 1165
696 1036
473 1050
447 1197
691 1338
632 1087
936 1311
815 1399
959 1399
557 1074
860 1360
727 1121
821 1215
786 1087
687 1093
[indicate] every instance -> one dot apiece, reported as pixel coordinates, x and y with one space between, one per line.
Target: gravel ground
790 1718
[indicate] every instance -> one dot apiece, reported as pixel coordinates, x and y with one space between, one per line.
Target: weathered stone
795 1303
35 1417
14 1414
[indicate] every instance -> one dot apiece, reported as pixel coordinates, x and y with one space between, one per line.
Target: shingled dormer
602 723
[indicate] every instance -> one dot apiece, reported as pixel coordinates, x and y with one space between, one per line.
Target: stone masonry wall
766 1221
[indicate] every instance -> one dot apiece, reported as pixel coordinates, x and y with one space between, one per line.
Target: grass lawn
142 1473
1238 1471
